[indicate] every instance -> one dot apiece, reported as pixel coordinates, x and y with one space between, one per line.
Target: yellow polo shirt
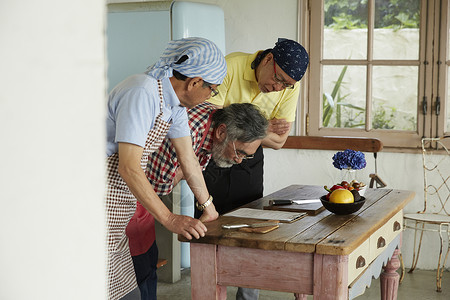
240 86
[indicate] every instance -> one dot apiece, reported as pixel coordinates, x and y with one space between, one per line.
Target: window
378 68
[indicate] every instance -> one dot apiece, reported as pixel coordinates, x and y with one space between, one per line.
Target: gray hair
245 122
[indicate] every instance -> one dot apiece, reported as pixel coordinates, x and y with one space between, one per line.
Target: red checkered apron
120 207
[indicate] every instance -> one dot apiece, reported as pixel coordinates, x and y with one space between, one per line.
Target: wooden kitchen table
326 255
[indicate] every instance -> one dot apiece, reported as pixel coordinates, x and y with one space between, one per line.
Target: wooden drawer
383 236
358 260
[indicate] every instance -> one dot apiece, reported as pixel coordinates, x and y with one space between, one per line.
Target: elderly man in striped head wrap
142 110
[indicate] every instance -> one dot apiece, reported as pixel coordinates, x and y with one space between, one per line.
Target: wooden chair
340 143
435 216
334 143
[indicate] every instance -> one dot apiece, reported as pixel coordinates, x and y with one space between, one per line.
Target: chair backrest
340 143
436 171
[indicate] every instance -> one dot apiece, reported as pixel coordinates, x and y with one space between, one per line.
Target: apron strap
208 126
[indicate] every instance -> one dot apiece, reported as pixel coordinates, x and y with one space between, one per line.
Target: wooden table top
324 233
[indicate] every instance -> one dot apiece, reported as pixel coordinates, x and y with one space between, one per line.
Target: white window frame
432 78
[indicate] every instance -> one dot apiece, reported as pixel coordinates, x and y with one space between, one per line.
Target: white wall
252 25
52 107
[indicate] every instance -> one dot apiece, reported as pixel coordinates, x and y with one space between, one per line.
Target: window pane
396 32
394 98
344 96
345 29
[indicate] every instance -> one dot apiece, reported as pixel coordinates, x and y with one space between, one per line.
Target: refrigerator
137 34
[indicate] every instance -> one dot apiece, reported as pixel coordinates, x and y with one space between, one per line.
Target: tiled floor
420 285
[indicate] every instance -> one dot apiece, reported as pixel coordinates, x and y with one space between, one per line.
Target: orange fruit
342 196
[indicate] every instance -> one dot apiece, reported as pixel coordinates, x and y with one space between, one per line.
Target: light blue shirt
133 106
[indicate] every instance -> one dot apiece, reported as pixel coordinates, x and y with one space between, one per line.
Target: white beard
217 152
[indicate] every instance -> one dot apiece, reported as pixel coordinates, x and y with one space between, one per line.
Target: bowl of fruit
343 198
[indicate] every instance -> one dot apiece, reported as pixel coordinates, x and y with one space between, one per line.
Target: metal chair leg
416 256
402 264
440 269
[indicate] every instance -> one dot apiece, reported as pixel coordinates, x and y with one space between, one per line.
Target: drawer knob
381 242
360 262
397 226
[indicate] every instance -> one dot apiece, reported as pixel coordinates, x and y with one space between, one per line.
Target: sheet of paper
285 216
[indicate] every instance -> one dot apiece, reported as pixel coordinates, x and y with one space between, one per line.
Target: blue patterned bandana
205 60
291 57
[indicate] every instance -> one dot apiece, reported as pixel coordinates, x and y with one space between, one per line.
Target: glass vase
349 175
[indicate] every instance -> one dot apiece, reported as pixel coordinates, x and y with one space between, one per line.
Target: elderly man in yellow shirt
268 79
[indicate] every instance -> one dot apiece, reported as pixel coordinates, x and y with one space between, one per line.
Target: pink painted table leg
330 277
204 273
389 279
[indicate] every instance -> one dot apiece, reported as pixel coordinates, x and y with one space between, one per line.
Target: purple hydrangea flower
349 159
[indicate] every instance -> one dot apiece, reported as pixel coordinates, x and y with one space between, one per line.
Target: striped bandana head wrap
205 60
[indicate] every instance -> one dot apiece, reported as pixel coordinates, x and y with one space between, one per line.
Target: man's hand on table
209 213
186 226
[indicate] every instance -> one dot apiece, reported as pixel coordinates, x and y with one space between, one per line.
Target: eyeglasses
242 155
279 80
214 92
